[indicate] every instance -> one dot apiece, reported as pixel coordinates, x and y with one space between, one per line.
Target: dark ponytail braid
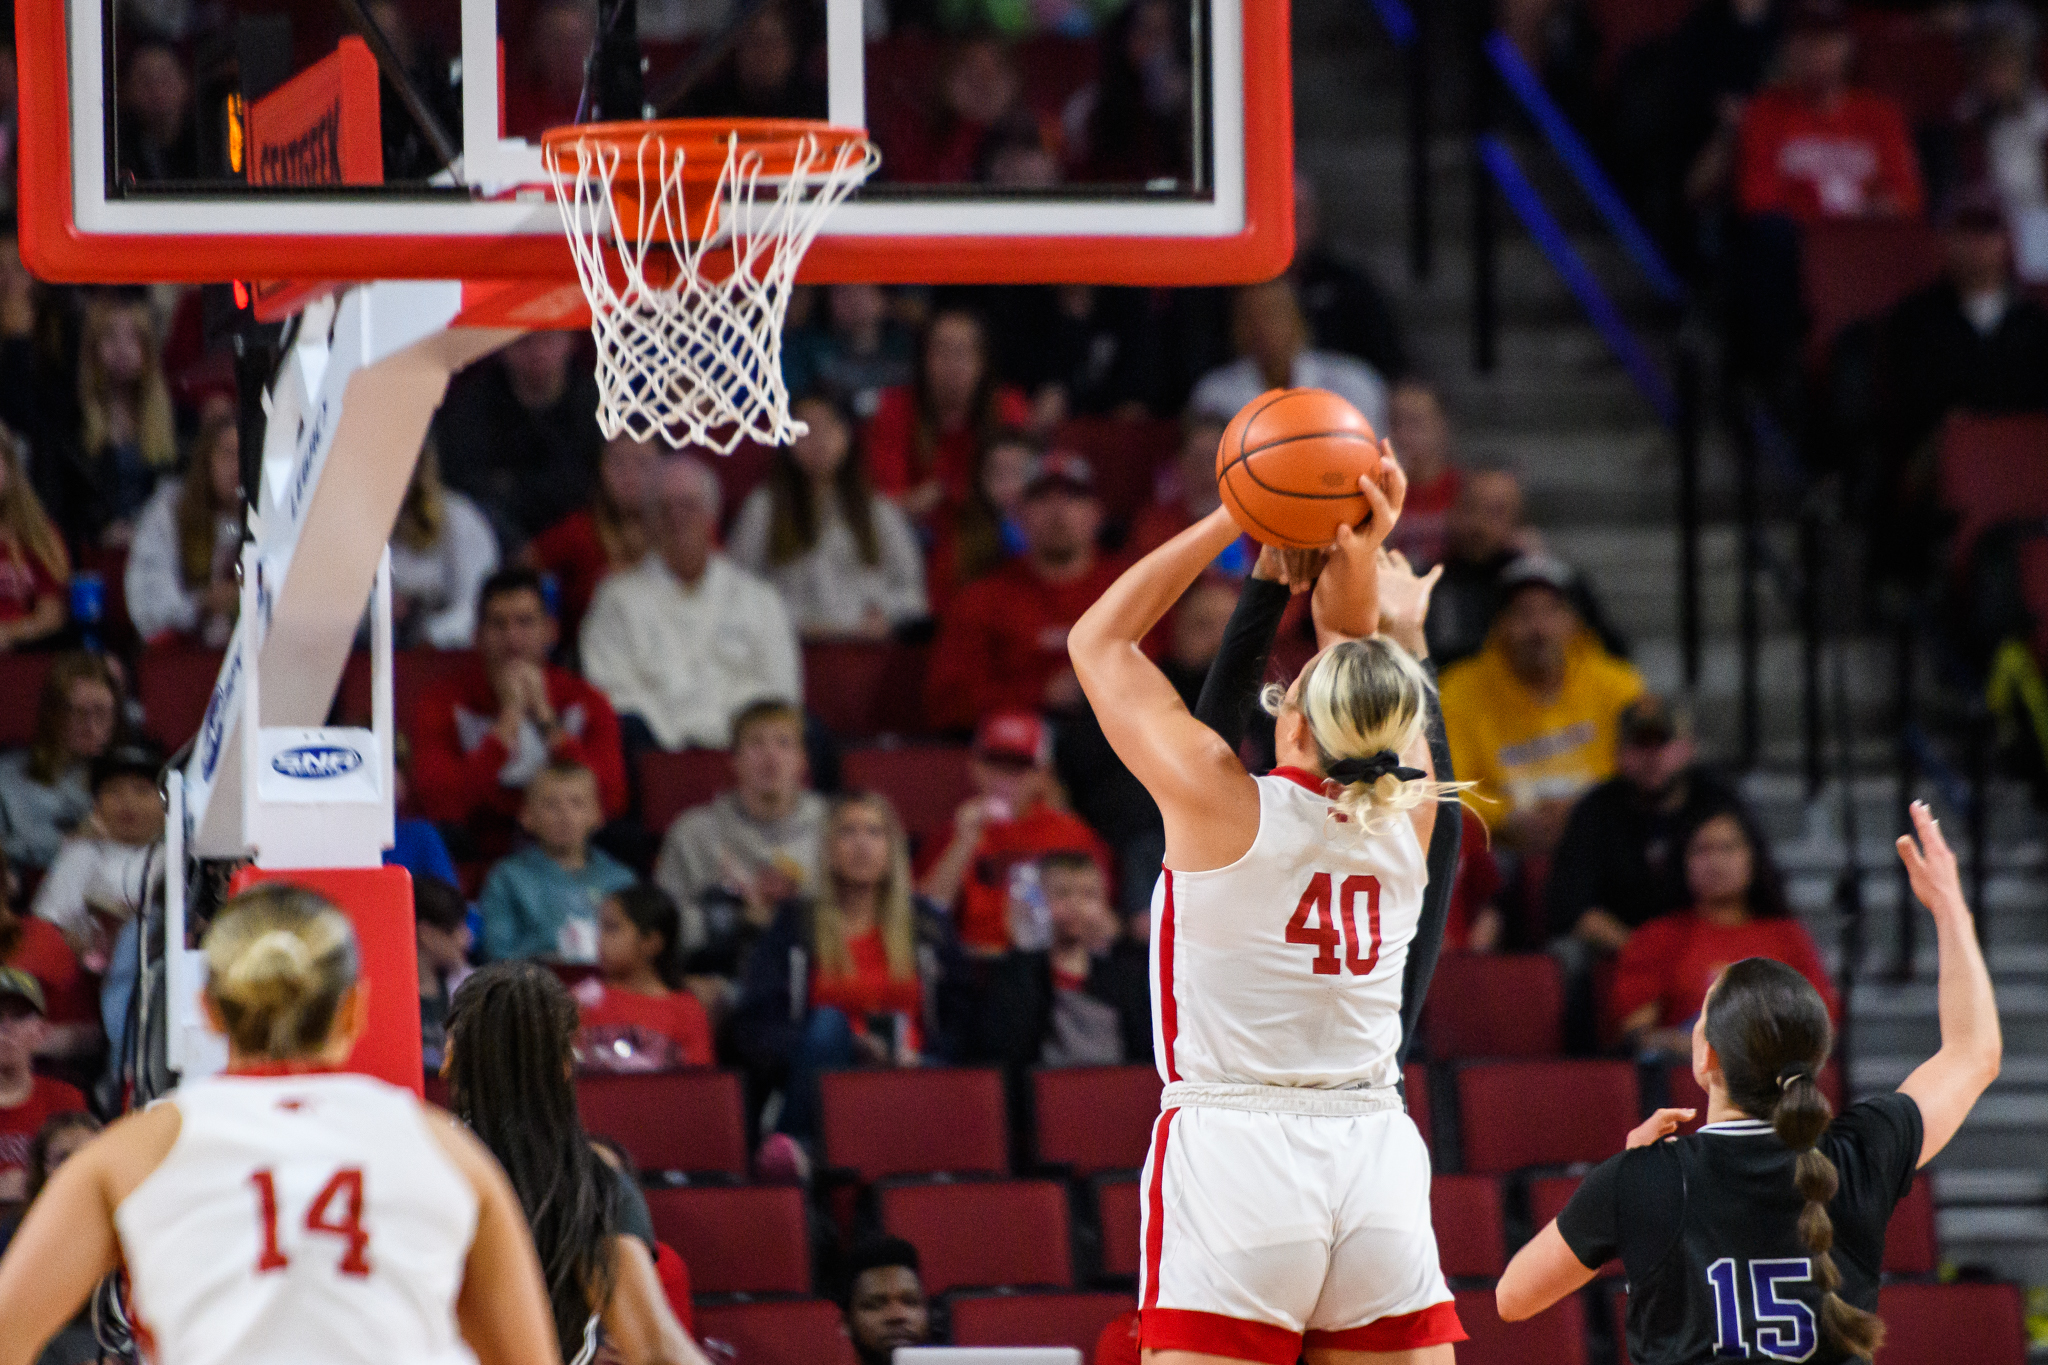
1770 1029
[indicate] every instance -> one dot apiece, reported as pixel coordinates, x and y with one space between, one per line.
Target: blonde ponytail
1364 701
279 958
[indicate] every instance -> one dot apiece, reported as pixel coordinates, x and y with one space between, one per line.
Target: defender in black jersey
1761 1235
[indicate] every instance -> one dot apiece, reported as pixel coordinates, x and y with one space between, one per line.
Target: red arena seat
916 1122
672 783
1852 269
746 1240
925 782
792 1332
861 689
1547 1197
983 1234
691 1121
1991 469
173 682
1484 1005
1074 1320
1119 1206
21 677
1471 1239
1556 1336
1946 1324
1514 1114
1910 1247
1095 1118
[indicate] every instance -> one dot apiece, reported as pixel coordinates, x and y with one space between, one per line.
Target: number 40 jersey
1284 968
311 1219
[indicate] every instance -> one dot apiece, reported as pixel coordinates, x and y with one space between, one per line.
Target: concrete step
2026 1071
1990 1187
2011 1243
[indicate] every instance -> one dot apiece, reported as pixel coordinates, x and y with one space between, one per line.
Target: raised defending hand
1404 600
1931 866
1659 1126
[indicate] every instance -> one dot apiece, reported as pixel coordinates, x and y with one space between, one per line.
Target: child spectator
441 935
416 845
96 884
442 550
922 443
683 641
43 789
181 577
1738 910
857 975
635 1014
1275 351
1008 824
1422 434
481 734
124 439
729 862
1002 645
26 1099
36 946
542 901
518 432
587 546
845 561
1533 718
35 572
1072 990
860 352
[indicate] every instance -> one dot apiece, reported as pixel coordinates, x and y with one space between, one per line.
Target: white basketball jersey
300 1220
1284 968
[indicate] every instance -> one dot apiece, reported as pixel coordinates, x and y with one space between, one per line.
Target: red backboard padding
378 901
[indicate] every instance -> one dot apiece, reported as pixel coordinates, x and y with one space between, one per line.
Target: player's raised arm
1947 1085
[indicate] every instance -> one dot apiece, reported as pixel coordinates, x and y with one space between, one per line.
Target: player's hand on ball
1659 1126
1298 569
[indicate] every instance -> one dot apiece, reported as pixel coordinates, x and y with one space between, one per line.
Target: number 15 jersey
310 1219
1284 968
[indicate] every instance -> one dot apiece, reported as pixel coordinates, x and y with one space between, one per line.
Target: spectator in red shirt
1738 910
610 534
1814 147
635 1014
482 734
1002 644
927 436
1009 823
26 1099
35 572
1421 434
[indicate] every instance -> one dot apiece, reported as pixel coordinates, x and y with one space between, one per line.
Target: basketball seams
1280 538
1270 399
1341 434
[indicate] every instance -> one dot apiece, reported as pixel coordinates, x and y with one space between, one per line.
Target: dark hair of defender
1770 1029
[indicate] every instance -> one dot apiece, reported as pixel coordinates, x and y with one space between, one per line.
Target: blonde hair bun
279 958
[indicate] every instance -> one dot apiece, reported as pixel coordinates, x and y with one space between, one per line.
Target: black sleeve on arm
1232 687
1875 1145
1444 840
1591 1221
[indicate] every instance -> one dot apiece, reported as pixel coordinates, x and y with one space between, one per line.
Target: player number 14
337 1211
1331 910
1785 1327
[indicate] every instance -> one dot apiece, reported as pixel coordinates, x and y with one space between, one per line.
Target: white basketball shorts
1267 1231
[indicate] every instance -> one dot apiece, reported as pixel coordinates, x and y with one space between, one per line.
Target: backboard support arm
409 94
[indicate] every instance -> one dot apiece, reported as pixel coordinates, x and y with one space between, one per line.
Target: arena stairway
1601 478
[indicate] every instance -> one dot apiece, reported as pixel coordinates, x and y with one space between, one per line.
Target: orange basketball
1289 465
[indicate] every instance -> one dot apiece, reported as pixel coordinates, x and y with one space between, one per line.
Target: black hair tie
1793 1073
1372 768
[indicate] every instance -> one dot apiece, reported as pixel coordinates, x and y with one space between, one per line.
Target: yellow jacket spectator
1532 718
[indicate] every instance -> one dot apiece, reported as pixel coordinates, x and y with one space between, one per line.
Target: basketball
1289 464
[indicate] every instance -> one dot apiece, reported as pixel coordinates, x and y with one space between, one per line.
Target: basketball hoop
687 234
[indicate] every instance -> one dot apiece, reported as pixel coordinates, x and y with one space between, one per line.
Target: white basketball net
694 359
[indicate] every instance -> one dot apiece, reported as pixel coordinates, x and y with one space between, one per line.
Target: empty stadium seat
983 1233
1488 1005
1074 1320
1514 1114
861 689
1471 1239
1910 1247
173 682
671 783
1947 1324
21 677
1991 469
1547 1197
743 1240
1415 1080
1556 1336
925 782
916 1122
1127 456
1853 269
692 1121
1120 1208
1095 1118
791 1332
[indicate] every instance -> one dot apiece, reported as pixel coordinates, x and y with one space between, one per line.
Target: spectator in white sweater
685 639
442 550
181 567
845 561
96 883
1275 352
